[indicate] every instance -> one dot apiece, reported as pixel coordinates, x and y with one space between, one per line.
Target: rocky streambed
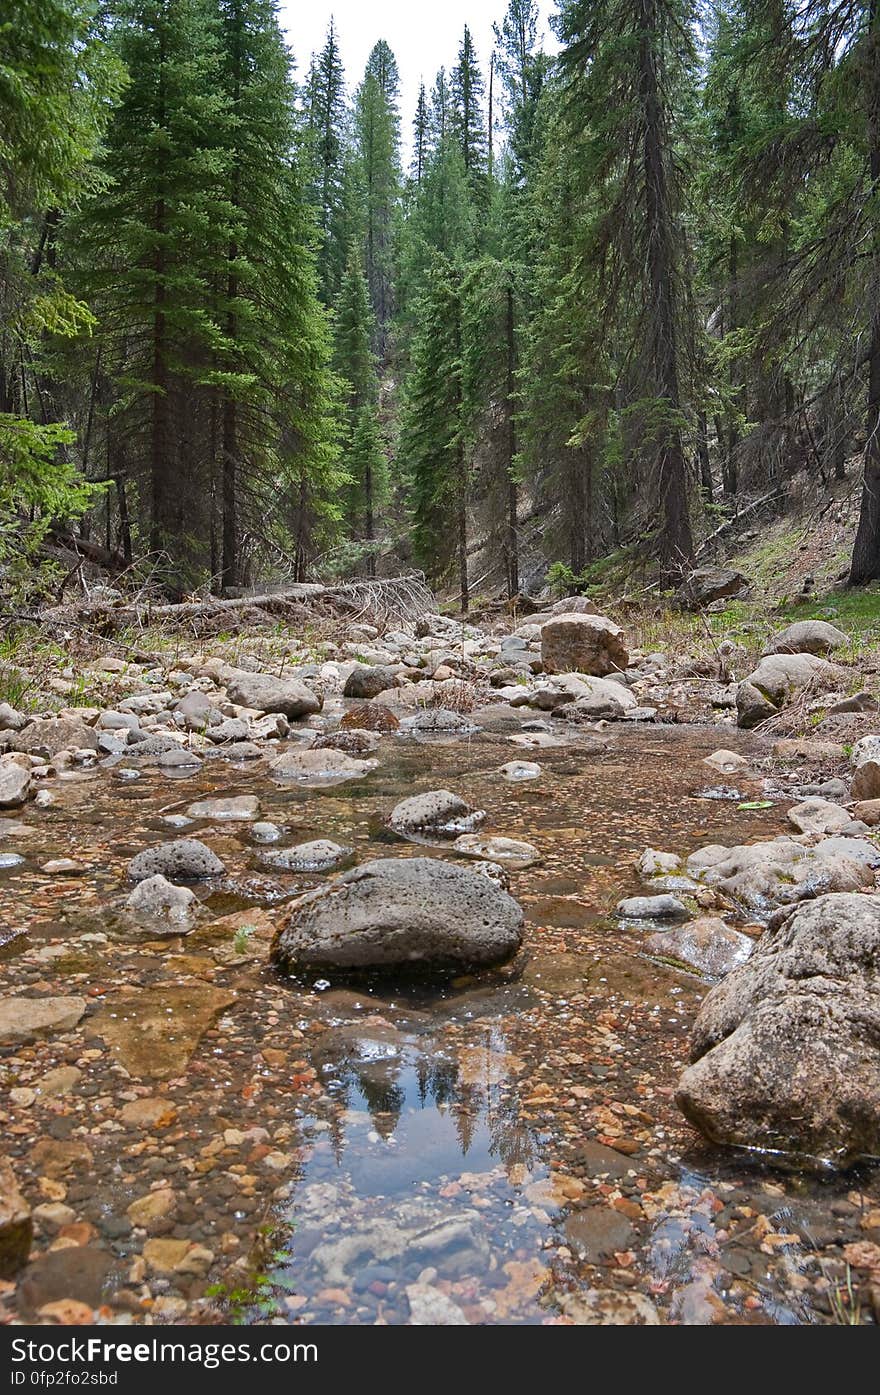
197 1130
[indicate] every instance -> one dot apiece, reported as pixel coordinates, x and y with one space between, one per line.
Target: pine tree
624 65
58 79
377 139
420 138
467 90
156 242
433 431
363 446
326 124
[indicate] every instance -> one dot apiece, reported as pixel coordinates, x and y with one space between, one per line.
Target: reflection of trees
484 1095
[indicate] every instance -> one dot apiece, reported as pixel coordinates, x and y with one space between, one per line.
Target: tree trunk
865 564
676 540
512 548
159 482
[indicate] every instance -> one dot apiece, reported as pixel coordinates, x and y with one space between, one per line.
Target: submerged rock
785 1051
652 908
322 766
240 808
707 944
577 643
184 859
435 814
509 852
154 1033
25 1019
401 913
157 898
517 770
726 762
321 855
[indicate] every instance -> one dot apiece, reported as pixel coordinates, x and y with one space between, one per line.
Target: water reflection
434 1128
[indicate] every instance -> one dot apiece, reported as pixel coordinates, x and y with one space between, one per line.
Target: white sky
423 34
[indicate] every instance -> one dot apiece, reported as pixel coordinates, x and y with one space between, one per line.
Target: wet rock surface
785 1050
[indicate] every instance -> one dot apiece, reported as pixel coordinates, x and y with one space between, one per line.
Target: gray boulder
156 898
866 760
785 1051
775 681
578 643
10 719
48 735
267 693
368 682
708 584
806 637
15 784
321 855
815 815
183 860
435 814
401 913
580 696
320 766
764 876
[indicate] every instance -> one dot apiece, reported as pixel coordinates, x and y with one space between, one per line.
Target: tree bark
512 548
676 540
865 565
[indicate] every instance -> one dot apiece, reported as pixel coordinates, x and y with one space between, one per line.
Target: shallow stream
503 1149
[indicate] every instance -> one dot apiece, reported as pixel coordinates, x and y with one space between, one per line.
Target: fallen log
394 597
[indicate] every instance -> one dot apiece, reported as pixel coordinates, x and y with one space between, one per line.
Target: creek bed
501 1149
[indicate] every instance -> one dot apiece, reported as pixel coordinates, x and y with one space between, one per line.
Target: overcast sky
424 34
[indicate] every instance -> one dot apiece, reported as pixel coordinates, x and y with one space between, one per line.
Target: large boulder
764 876
401 913
708 584
48 735
579 643
775 681
806 637
182 860
268 693
785 1051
